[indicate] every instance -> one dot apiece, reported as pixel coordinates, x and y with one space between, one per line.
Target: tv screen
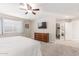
42 25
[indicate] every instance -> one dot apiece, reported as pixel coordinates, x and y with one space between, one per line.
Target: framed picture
42 25
26 25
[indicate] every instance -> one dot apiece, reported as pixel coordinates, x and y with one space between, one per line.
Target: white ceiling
67 9
63 8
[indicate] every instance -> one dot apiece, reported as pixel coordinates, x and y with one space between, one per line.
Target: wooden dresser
41 37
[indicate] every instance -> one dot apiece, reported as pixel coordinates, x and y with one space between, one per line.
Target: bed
19 46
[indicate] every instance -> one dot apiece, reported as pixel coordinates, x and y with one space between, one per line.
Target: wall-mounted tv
42 25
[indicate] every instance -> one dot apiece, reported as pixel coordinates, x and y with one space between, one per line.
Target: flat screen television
42 25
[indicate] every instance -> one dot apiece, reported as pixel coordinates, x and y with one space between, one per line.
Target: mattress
19 46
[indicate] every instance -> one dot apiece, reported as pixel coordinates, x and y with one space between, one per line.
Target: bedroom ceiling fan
28 8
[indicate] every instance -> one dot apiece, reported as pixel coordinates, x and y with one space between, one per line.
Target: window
11 26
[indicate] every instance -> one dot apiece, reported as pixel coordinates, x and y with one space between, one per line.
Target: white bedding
19 46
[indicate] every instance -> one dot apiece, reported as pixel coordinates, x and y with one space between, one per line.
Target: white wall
75 30
72 30
51 27
28 31
68 30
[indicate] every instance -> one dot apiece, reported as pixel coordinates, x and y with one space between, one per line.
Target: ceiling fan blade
34 13
29 7
36 9
26 12
23 6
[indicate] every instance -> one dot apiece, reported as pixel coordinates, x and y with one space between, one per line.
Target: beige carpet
55 49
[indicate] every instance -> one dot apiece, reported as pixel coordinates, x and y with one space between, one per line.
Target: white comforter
19 46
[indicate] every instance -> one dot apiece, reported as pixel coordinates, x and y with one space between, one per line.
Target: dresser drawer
42 37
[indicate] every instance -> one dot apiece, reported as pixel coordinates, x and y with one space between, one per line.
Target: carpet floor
55 49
